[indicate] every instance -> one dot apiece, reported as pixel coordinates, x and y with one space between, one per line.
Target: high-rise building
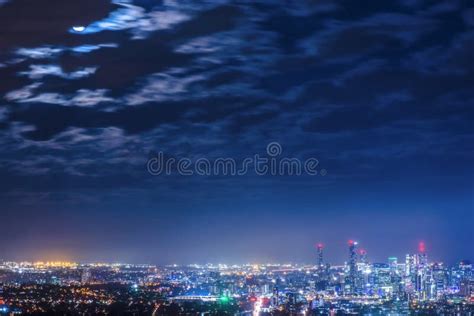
466 287
393 263
323 269
440 278
422 253
352 275
320 262
424 284
363 256
382 279
275 297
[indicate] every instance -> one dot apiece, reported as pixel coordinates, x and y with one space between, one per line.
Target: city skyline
413 285
319 254
373 101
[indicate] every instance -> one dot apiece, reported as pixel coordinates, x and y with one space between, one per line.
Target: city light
224 299
413 285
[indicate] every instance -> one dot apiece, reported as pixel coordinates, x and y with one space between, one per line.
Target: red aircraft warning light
422 247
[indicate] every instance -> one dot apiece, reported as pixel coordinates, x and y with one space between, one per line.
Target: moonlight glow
78 28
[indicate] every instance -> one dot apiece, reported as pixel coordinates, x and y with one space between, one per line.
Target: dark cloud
330 67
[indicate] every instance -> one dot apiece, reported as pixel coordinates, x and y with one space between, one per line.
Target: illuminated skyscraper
422 251
440 278
275 297
393 264
320 247
363 256
352 275
323 269
408 266
423 276
466 287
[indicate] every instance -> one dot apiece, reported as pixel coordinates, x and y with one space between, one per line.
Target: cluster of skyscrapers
413 278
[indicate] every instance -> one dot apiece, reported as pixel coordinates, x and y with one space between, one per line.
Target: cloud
39 52
161 87
3 114
40 71
134 18
49 52
22 93
342 40
445 59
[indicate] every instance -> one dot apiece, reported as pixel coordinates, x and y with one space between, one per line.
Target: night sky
380 92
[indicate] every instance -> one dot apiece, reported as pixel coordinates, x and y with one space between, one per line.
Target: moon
78 28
